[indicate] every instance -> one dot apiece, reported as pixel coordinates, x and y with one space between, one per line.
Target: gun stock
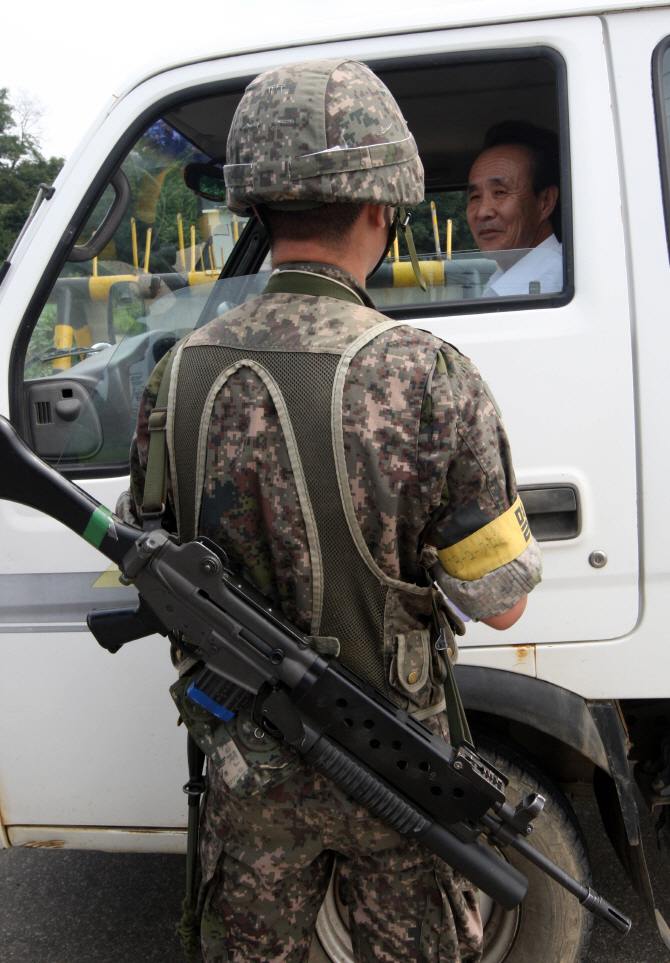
26 479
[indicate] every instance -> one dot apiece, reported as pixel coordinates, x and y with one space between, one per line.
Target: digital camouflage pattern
267 864
249 759
428 463
489 595
427 456
321 131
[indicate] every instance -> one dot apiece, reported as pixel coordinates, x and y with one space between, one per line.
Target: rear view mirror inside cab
206 181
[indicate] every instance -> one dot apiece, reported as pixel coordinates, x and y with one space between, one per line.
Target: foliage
128 319
41 340
22 166
154 169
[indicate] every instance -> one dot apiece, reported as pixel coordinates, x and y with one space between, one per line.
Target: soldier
334 454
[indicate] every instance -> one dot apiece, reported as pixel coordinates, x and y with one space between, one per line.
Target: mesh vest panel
354 599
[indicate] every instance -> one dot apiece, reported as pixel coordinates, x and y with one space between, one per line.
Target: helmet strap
403 218
393 230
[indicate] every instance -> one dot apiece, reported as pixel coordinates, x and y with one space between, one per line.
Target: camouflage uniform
429 463
423 465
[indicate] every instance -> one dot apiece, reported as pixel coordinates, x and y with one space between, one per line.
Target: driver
511 208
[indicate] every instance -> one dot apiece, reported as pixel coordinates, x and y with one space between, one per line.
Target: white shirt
542 265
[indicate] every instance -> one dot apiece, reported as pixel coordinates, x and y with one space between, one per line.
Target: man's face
503 212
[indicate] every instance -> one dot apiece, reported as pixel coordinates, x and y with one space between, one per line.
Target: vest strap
155 479
422 714
316 285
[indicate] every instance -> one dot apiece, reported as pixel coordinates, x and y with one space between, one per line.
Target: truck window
450 109
661 82
108 321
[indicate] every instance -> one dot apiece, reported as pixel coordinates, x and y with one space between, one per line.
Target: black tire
551 926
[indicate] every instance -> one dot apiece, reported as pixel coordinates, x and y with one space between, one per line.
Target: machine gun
448 797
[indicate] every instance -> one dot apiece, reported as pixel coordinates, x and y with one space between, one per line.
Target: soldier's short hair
330 223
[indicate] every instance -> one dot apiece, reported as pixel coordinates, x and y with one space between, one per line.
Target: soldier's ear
377 215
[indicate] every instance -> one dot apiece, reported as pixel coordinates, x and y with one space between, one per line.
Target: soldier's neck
349 259
365 244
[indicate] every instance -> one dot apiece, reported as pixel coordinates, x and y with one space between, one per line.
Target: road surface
85 907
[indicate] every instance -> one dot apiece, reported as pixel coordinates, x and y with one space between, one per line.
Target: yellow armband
489 548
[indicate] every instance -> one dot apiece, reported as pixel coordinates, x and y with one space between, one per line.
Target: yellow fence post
147 251
449 226
133 232
436 232
63 338
180 229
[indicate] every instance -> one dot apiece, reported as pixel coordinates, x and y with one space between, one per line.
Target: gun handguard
444 796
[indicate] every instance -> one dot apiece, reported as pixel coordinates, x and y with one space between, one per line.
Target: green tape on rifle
98 526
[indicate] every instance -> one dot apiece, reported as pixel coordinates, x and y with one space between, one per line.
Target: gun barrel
587 896
26 479
475 860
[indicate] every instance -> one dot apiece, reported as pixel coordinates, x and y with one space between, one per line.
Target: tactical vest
383 625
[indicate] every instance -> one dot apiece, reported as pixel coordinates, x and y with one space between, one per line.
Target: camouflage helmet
320 131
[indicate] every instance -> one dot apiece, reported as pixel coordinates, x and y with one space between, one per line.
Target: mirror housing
207 181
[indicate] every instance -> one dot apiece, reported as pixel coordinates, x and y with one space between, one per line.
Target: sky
72 56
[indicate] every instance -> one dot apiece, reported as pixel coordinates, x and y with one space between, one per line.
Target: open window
108 319
450 107
175 260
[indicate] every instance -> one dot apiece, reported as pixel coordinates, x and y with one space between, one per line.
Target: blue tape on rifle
204 700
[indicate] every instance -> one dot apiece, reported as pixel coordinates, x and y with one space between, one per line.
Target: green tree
22 165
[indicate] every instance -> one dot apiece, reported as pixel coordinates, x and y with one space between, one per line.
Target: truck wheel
550 925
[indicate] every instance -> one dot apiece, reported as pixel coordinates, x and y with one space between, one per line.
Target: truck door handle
553 511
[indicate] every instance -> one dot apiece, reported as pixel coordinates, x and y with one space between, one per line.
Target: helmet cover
318 132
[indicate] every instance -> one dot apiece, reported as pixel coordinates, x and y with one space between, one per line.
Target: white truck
123 258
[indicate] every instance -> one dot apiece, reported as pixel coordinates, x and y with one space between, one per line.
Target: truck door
558 358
